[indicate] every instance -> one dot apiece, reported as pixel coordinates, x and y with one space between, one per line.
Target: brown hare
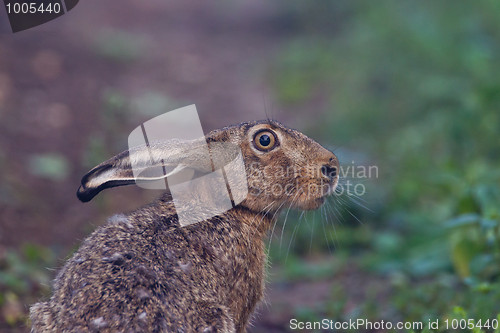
146 272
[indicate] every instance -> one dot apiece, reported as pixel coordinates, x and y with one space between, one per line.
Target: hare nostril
329 171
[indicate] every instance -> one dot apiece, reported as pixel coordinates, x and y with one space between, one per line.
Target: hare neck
258 223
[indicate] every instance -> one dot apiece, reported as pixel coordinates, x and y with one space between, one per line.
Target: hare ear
147 164
116 171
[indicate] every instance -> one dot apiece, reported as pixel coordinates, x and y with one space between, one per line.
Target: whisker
312 231
323 212
350 213
338 213
360 204
265 211
286 217
294 233
275 222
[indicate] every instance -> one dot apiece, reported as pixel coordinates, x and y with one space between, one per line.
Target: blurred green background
410 87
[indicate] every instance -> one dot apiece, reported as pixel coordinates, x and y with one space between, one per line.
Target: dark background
410 87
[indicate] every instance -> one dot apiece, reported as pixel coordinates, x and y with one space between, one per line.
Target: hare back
143 272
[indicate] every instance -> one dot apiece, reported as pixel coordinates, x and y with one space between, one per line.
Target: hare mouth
332 187
312 204
329 188
315 200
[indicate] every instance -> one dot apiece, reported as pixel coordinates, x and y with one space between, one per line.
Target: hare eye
265 140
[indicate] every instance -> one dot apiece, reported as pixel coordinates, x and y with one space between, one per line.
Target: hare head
283 167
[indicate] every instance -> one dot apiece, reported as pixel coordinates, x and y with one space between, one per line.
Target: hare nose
329 171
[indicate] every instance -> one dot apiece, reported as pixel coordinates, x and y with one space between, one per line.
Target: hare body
172 279
144 272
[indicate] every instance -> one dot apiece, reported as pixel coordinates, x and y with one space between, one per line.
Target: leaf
488 223
119 46
12 310
463 220
497 330
488 197
50 166
463 251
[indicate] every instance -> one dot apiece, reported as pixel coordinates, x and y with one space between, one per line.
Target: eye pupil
265 140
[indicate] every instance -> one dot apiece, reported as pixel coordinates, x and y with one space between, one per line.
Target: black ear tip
85 195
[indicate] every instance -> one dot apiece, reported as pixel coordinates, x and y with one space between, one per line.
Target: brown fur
142 272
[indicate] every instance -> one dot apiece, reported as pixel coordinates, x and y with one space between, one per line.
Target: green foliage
119 46
50 166
24 278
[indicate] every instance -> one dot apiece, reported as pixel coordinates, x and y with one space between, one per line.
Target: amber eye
265 140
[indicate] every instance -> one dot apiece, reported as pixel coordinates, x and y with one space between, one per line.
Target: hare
146 272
